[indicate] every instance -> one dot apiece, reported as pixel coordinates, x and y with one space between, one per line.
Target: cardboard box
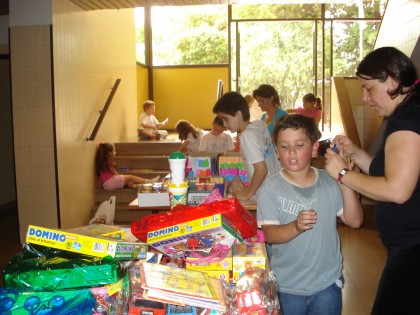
216 225
223 265
155 199
89 245
222 275
248 255
111 231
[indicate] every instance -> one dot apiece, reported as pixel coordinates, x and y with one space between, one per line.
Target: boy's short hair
297 121
218 121
230 103
148 104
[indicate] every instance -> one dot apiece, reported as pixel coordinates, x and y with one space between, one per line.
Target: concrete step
122 196
161 147
155 162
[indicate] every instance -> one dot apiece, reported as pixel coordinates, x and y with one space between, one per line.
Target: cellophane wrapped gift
40 268
230 208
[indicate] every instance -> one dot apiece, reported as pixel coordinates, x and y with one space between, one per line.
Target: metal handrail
103 111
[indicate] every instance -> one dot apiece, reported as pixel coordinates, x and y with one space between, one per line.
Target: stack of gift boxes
89 270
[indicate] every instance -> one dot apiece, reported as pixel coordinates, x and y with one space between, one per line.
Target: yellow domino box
248 255
111 231
222 231
88 245
219 274
225 264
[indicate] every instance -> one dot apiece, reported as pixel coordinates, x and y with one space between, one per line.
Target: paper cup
177 167
177 196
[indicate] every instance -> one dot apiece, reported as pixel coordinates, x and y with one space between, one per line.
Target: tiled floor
363 253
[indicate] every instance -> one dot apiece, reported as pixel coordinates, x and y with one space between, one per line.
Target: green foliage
272 51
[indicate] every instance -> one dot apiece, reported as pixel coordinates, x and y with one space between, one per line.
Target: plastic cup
177 196
177 167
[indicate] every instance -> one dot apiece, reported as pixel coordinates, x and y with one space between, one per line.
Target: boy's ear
315 147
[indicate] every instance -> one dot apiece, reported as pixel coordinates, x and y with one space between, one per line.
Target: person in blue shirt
269 101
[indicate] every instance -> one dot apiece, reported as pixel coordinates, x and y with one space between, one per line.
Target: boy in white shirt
148 123
217 140
257 149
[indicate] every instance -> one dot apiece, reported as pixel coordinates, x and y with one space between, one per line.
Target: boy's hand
305 220
164 122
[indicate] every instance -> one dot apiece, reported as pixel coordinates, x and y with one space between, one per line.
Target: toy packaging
16 302
213 261
231 209
248 255
94 246
216 225
40 268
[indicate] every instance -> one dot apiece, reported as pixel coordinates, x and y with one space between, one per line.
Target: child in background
216 140
189 135
312 107
105 168
257 149
297 210
149 125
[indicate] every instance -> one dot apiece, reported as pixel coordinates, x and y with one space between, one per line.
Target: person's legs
115 182
291 304
327 301
131 180
398 290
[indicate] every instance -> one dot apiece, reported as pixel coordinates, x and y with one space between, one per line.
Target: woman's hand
335 162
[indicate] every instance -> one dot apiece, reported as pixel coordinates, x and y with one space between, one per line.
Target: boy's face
295 149
150 110
232 123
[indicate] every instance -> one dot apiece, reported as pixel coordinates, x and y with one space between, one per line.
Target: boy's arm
280 234
260 172
352 209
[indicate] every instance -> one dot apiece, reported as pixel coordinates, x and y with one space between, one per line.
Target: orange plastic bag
231 209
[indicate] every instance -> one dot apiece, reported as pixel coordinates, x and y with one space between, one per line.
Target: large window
295 47
189 35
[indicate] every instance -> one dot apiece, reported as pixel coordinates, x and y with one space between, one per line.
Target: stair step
161 147
122 196
156 162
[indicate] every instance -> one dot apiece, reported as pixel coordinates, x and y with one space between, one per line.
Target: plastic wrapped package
39 268
255 293
69 302
231 209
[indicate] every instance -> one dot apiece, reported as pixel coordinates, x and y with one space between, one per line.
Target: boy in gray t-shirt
297 210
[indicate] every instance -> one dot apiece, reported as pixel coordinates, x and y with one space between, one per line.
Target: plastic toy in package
39 268
231 209
69 302
255 293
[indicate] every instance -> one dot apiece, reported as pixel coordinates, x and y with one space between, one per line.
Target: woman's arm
402 170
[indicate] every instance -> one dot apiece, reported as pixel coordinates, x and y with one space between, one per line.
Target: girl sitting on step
105 168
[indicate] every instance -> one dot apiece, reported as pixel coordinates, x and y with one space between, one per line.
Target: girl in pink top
108 174
311 107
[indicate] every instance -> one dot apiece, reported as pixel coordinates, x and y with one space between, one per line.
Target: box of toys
215 226
217 263
97 246
248 255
